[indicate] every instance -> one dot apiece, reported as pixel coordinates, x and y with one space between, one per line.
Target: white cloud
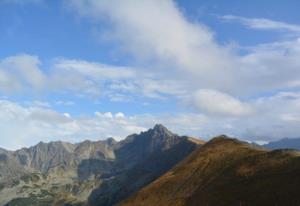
64 103
277 116
87 78
21 72
274 117
67 115
119 115
40 103
158 34
218 103
273 66
263 24
174 57
26 74
94 70
189 60
26 125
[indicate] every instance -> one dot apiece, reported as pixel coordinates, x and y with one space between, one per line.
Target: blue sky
87 69
56 31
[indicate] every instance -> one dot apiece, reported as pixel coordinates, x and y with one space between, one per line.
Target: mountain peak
161 129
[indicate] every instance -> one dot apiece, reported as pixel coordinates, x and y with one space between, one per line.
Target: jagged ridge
95 171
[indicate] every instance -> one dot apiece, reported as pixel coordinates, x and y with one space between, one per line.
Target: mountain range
89 173
155 167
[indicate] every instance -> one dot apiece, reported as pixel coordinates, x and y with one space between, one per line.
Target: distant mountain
89 173
285 143
226 172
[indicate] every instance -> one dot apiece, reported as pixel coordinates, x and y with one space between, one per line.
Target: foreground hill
226 172
89 173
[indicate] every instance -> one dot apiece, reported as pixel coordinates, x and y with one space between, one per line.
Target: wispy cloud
263 24
27 74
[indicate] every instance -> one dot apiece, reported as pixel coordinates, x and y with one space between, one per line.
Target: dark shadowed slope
227 172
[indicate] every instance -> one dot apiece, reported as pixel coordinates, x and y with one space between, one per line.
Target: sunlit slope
227 172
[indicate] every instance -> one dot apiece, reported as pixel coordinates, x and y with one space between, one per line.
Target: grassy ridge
227 172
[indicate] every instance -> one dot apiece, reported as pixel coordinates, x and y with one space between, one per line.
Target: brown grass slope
227 172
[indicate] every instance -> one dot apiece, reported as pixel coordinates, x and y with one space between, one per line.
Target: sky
91 69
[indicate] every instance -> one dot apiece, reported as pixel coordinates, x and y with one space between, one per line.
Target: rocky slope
89 173
227 172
